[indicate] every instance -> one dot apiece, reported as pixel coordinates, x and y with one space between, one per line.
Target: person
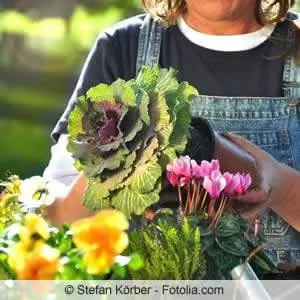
241 56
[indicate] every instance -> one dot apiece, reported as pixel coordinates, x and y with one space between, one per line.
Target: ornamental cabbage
123 135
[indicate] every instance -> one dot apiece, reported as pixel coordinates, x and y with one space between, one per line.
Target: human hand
276 187
69 208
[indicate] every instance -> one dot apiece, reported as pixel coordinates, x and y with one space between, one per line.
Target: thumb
252 149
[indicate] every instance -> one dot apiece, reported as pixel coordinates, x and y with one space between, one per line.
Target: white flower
36 192
122 260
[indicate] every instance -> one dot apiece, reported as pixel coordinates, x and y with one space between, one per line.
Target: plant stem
255 251
220 206
219 212
188 199
203 201
189 195
180 201
211 208
201 197
197 196
194 186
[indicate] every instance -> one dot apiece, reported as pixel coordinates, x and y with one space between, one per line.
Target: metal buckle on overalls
294 102
291 84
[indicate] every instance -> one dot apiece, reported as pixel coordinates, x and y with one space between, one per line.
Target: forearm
288 206
69 208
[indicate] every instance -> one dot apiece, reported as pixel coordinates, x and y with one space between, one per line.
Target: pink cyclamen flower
245 182
232 183
173 178
206 168
214 184
180 171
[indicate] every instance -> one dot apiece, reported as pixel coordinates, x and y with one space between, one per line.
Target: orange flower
101 238
39 264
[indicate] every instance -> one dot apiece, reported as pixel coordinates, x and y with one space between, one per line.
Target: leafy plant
10 209
230 245
123 135
168 251
5 270
32 250
205 195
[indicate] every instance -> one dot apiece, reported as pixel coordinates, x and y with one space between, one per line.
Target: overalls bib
271 123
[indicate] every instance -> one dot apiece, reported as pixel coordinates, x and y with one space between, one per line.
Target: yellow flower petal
17 255
101 238
24 234
122 243
45 251
98 261
36 224
112 218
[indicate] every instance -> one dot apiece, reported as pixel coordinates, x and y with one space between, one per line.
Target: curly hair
168 11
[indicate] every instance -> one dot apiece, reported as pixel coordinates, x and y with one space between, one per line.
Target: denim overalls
271 123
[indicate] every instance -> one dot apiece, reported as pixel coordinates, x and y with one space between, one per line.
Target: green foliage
122 136
230 245
10 209
73 266
5 270
169 251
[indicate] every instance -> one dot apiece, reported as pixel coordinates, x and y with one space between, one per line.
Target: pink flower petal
173 178
215 165
207 184
248 181
242 183
214 186
222 184
232 183
182 168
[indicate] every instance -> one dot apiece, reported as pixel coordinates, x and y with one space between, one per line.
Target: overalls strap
149 43
291 73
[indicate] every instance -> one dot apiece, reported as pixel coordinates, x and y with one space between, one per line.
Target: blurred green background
43 45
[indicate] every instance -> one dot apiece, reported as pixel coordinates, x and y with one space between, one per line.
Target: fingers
252 211
253 197
246 145
252 203
284 267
